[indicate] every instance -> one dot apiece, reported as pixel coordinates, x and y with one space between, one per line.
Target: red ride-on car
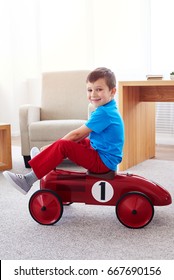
133 196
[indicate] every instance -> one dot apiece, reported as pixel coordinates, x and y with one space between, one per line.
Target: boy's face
99 93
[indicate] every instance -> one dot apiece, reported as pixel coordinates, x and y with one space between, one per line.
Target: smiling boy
97 145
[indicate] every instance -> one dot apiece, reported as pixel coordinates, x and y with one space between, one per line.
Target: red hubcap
45 207
134 210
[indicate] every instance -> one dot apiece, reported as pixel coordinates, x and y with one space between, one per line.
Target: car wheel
45 207
134 210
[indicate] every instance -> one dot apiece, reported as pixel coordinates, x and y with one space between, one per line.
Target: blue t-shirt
107 136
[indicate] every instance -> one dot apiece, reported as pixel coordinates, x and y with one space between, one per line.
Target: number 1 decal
102 191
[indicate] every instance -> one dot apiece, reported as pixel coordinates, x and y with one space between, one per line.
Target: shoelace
19 176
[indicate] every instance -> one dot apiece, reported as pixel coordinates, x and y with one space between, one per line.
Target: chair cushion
52 130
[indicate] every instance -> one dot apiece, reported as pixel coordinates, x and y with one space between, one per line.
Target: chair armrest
27 114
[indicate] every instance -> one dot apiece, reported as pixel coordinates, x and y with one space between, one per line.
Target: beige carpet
85 231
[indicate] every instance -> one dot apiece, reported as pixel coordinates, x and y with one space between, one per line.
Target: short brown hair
104 73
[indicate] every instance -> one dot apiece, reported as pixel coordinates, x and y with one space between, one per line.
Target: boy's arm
78 134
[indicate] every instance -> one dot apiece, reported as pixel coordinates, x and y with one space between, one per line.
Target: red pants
80 153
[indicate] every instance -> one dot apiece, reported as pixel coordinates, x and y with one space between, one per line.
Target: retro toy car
133 196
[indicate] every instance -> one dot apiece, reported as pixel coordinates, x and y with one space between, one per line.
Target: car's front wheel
134 210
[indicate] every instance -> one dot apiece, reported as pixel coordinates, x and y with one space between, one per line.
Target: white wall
162 39
121 37
19 58
65 32
50 35
112 33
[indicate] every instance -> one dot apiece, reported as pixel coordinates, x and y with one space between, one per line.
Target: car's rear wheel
45 207
134 210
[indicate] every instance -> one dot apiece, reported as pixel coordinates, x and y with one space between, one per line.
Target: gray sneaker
34 152
18 181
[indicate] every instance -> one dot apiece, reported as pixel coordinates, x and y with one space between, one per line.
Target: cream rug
85 231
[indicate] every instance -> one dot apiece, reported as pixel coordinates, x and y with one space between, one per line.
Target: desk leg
139 121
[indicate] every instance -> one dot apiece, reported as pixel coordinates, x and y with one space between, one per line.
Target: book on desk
154 77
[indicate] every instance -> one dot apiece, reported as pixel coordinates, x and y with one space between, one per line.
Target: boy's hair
102 73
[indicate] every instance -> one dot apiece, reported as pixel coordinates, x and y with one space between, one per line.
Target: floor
16 141
164 152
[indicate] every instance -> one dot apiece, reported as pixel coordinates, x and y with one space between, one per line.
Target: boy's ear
113 91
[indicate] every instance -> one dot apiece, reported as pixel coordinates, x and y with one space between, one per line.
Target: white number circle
102 191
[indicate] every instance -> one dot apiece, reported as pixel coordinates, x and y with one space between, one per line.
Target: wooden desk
137 107
5 147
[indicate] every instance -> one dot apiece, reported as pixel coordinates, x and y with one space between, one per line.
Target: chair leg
26 160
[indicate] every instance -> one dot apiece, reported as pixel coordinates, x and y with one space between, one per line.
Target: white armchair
64 107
